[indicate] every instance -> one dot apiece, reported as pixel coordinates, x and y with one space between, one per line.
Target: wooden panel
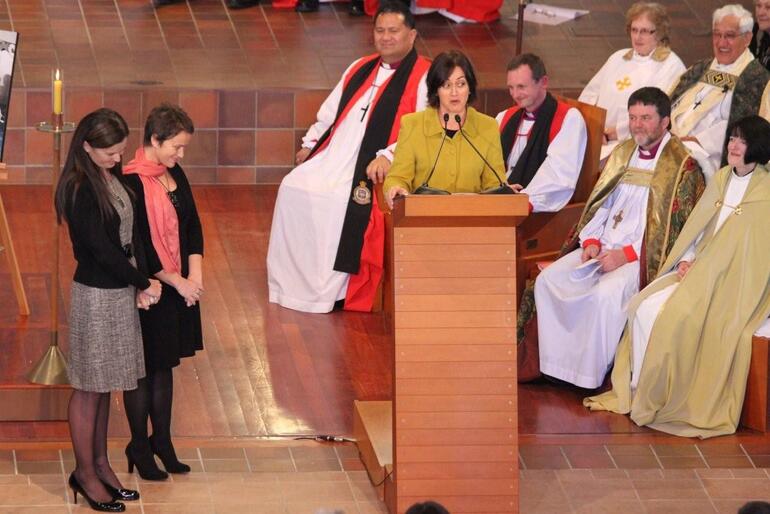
459 419
456 369
458 252
448 470
755 403
480 235
453 207
449 269
406 336
472 302
454 286
458 487
455 319
454 386
453 353
449 436
468 504
476 403
484 453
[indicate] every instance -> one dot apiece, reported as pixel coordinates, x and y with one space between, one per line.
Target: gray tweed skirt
105 344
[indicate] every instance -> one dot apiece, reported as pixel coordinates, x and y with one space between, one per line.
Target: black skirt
170 330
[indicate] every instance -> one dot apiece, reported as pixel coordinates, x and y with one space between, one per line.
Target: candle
57 89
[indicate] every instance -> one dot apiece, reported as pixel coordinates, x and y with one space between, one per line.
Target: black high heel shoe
145 464
124 495
167 456
112 506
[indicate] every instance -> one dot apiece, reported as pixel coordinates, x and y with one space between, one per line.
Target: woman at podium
449 147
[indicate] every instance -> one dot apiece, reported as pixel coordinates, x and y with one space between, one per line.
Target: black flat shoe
241 4
167 456
125 495
356 9
112 506
145 464
306 6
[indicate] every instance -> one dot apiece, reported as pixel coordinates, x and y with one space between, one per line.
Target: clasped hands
146 298
190 289
609 260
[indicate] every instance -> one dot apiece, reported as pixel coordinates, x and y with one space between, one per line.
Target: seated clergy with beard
543 139
634 214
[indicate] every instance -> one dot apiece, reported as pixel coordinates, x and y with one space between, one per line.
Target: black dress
170 329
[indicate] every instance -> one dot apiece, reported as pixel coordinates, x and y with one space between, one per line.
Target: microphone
502 189
425 189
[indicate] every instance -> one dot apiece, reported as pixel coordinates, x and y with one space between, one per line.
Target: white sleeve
326 113
421 104
554 183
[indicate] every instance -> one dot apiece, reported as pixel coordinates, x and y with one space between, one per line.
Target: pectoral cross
696 104
364 110
617 219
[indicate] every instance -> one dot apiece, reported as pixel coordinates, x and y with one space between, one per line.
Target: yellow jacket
459 168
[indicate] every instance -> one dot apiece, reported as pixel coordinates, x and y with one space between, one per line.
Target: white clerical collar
387 66
735 67
640 57
648 155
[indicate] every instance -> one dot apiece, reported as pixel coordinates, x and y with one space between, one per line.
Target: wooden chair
542 234
755 406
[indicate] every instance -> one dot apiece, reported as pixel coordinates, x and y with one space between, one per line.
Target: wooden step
373 430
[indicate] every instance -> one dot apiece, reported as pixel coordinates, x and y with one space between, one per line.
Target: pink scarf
161 215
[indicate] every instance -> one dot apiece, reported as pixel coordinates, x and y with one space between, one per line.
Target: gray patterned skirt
105 344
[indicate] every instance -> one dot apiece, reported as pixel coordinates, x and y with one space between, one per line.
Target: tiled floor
259 478
297 477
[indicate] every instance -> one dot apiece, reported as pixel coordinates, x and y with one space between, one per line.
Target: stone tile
588 457
682 462
275 147
306 104
242 494
14 146
675 450
607 506
728 506
275 109
737 488
271 174
202 107
313 452
629 449
128 103
318 465
674 506
709 450
267 452
78 103
321 507
39 467
714 473
272 465
637 461
236 175
748 473
174 492
225 465
236 147
325 491
237 109
670 489
41 495
38 149
596 490
729 461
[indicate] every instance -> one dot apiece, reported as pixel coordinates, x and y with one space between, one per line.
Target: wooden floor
266 370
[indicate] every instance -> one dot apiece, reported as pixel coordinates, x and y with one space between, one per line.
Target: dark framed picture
8 42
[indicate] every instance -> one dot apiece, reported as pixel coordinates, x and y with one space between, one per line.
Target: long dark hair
102 128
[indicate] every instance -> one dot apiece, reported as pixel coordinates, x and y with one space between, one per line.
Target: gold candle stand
51 369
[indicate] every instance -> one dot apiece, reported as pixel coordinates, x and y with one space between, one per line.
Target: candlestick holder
51 369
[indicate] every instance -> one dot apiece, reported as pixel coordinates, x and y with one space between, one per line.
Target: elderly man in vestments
683 362
632 218
543 139
327 238
714 93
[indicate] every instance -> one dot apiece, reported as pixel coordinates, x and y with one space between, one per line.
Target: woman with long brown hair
105 344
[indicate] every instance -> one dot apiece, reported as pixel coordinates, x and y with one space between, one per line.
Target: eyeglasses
642 32
727 36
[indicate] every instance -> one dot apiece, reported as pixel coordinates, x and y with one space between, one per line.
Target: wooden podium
454 411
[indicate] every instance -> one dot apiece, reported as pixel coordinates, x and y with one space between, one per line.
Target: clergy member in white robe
649 62
716 92
313 199
580 298
543 139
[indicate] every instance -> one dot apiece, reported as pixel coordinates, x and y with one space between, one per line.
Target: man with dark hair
544 140
634 214
327 238
429 507
714 93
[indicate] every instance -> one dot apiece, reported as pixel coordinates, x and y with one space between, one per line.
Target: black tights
151 399
89 415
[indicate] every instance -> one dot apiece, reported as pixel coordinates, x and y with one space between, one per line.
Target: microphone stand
424 188
502 189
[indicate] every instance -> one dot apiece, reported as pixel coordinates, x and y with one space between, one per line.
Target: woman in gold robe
682 364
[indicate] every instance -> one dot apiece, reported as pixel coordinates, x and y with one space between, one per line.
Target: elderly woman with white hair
716 92
649 62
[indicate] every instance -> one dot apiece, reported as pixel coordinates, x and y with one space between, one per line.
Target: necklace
113 193
172 196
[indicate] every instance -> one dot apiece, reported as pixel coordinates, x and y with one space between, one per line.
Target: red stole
558 119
